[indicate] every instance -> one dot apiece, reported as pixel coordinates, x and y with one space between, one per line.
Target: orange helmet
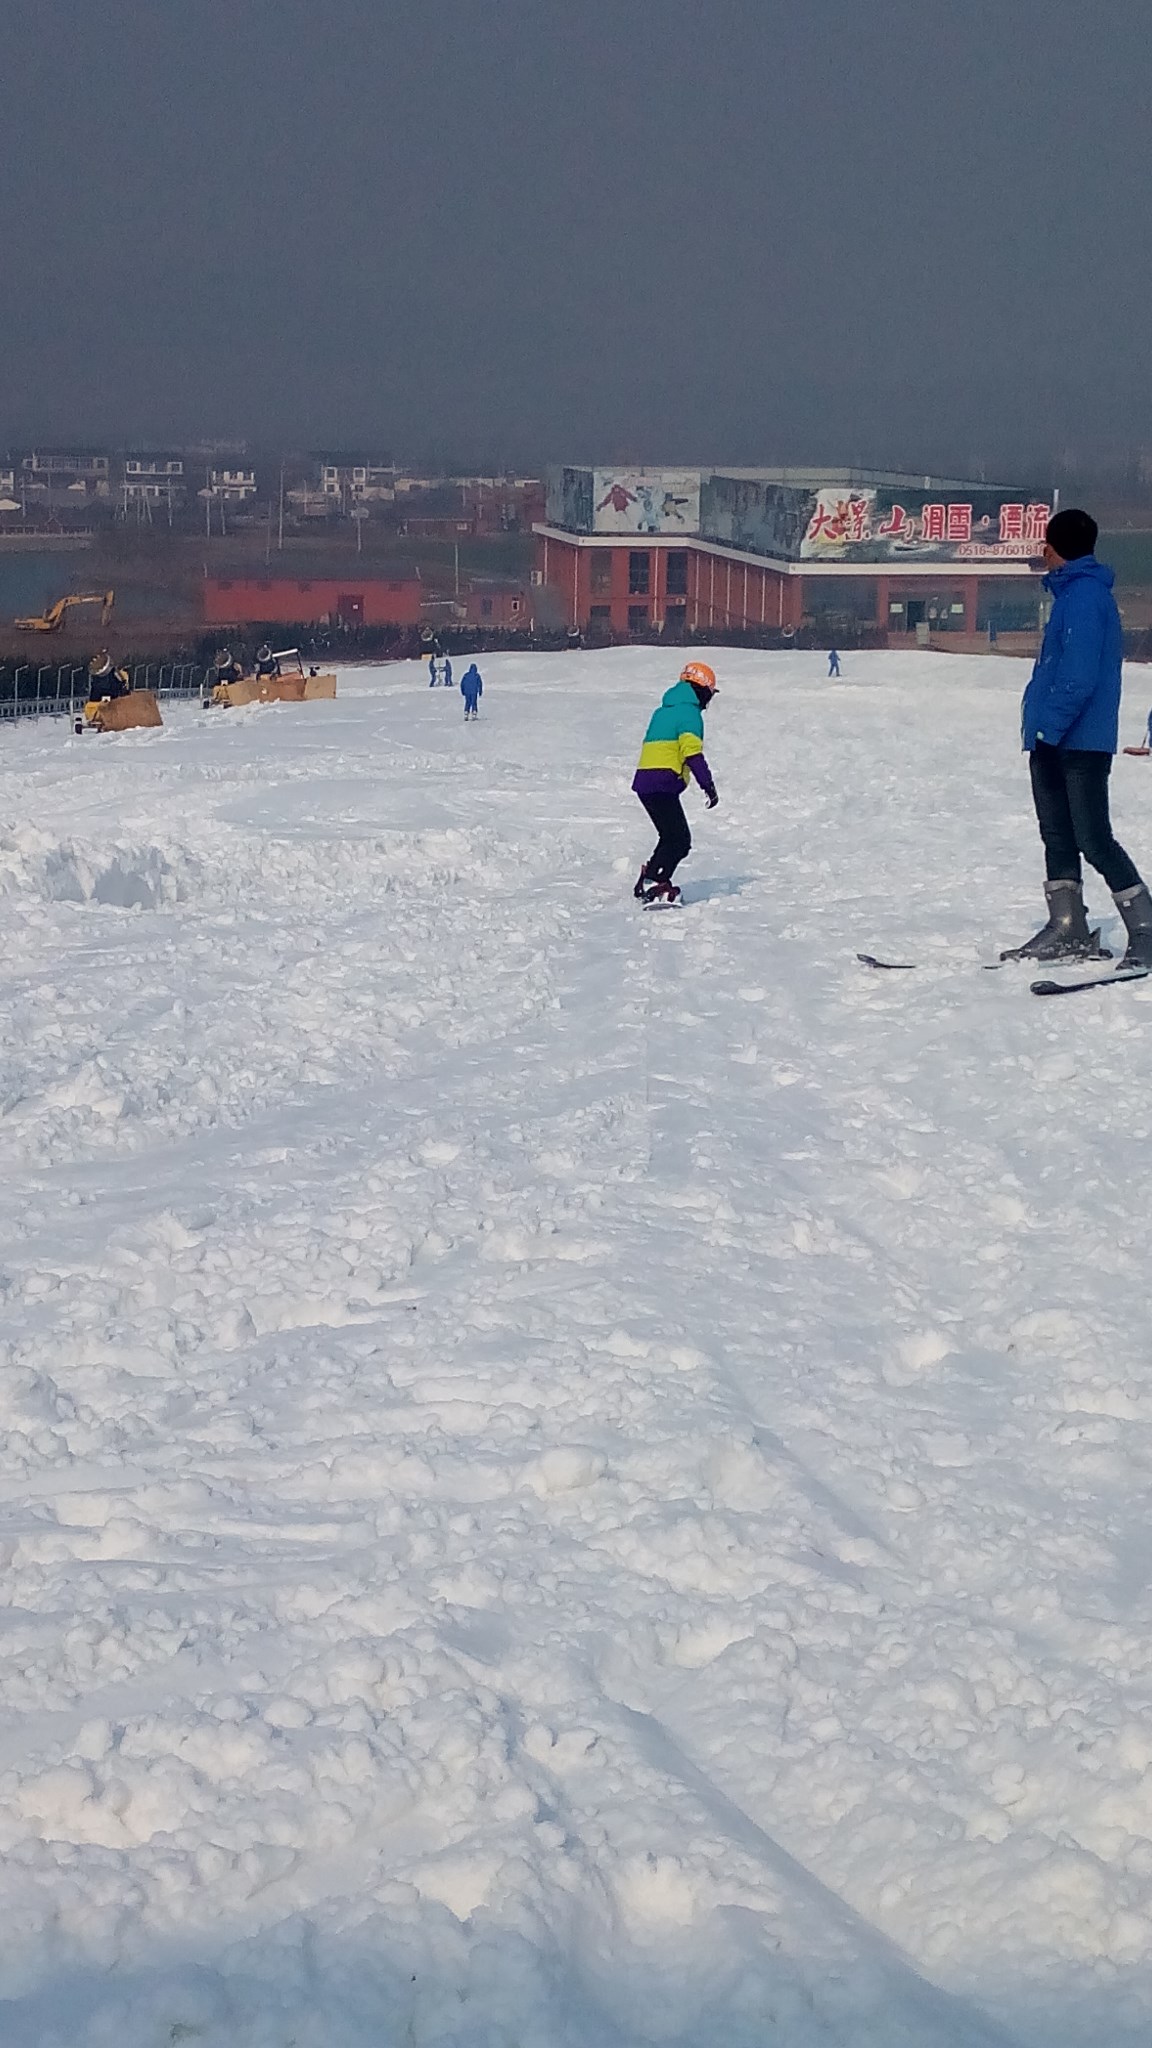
699 672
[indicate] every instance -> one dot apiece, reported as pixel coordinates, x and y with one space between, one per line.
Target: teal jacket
673 746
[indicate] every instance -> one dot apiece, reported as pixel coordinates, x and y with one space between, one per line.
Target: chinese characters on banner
841 523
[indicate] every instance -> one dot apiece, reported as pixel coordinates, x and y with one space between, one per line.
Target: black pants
1070 792
674 839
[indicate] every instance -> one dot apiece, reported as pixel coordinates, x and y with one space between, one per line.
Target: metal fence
48 689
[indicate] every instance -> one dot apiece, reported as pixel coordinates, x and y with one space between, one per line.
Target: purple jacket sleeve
703 773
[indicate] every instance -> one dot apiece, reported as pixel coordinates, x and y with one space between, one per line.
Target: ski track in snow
573 1477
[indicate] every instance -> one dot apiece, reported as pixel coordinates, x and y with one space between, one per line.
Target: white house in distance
76 472
149 479
230 486
359 479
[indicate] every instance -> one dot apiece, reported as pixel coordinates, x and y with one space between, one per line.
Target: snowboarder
833 662
471 689
673 750
1069 728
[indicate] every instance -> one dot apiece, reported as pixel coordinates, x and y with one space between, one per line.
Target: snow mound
126 877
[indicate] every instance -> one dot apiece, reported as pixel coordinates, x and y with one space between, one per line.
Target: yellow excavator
53 619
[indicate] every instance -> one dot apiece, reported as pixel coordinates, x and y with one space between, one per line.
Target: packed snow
574 1476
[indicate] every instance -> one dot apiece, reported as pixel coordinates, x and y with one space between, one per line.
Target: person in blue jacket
1070 728
471 689
833 662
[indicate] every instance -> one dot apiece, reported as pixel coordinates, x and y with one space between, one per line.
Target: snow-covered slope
572 1477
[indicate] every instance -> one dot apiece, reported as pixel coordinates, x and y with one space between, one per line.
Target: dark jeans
674 838
1070 792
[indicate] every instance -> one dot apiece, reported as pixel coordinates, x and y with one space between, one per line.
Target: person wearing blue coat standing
1070 728
471 689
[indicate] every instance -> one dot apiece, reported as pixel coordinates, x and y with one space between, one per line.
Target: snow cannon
121 714
292 688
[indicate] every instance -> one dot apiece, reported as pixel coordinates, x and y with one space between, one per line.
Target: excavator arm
53 619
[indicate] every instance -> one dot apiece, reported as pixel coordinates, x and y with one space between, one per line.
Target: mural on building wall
847 523
645 501
746 512
569 499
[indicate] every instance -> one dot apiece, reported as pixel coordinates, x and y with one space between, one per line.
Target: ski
909 966
1071 988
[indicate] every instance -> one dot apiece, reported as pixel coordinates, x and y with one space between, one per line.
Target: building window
676 572
515 606
600 615
638 563
674 621
485 607
638 616
601 579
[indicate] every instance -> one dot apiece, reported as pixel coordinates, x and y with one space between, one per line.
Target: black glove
712 799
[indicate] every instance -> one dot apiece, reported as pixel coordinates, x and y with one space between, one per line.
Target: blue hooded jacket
1073 698
471 686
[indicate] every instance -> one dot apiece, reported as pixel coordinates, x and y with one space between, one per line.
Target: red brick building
662 585
348 601
636 552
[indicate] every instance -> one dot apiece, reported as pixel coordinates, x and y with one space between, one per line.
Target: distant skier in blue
471 689
833 662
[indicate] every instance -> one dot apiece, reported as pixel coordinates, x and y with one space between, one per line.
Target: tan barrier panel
274 690
121 714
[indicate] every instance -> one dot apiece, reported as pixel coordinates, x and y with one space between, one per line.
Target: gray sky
742 230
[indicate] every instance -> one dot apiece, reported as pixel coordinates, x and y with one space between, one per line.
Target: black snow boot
1135 907
662 891
644 881
1066 935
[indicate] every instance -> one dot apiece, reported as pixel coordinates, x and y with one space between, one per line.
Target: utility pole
280 540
